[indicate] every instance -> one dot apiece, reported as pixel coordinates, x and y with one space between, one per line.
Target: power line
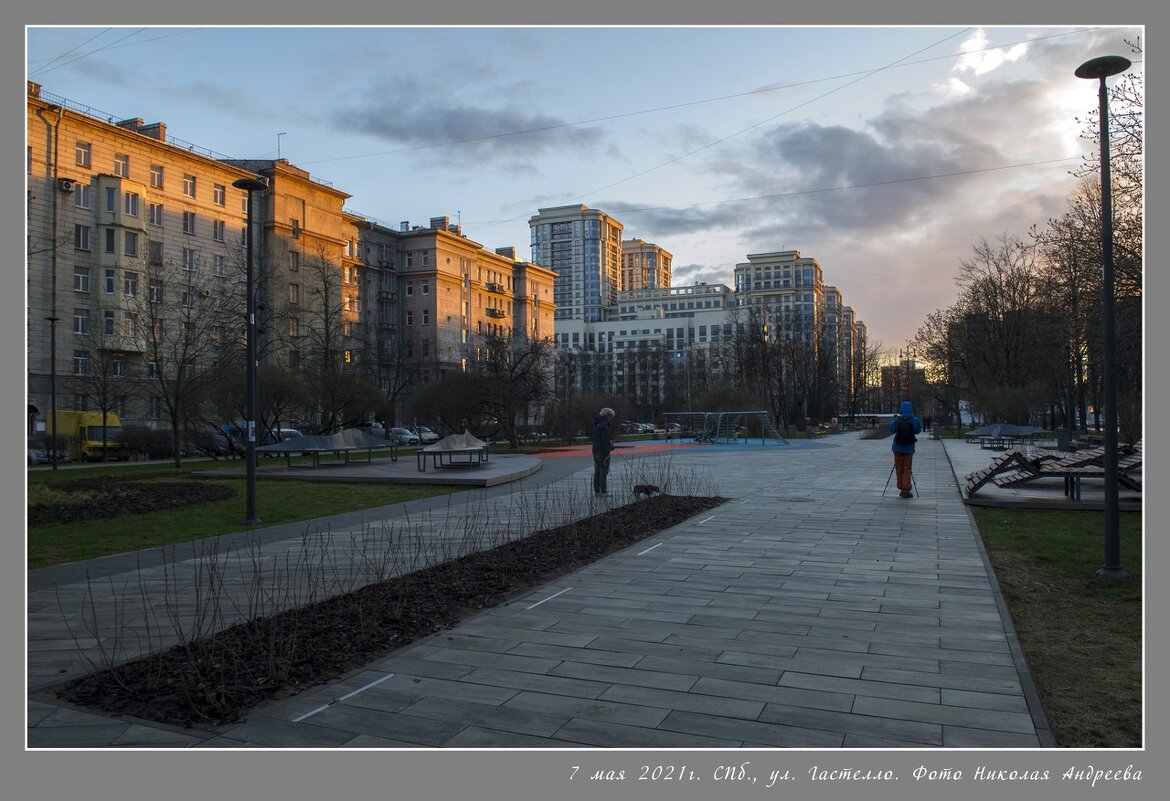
654 110
820 190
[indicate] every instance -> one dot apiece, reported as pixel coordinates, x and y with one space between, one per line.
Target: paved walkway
815 609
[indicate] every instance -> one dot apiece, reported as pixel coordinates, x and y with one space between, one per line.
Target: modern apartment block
645 266
661 346
136 252
583 246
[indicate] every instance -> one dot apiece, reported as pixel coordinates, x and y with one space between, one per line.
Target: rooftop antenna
282 133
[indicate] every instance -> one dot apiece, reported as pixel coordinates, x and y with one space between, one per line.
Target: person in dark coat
904 427
602 446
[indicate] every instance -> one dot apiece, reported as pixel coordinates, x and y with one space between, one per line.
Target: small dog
646 490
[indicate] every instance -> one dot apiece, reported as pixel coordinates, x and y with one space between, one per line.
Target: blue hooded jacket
907 411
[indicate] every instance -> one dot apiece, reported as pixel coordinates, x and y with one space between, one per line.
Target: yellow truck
82 433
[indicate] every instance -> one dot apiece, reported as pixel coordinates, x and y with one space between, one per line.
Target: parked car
37 453
281 435
372 427
404 436
426 435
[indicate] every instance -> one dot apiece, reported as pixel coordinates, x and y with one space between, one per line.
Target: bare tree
187 325
517 378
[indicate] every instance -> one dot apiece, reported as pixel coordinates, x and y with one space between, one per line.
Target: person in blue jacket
602 445
904 427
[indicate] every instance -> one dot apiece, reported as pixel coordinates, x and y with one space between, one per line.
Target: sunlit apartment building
645 266
136 240
583 246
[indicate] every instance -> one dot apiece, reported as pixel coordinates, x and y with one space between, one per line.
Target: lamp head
251 184
1103 67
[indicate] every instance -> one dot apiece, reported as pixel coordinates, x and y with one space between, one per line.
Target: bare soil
220 678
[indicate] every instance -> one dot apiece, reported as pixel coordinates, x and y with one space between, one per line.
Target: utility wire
687 104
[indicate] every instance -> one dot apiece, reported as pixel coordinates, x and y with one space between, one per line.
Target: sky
885 153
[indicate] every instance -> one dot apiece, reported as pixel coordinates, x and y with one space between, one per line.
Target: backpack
904 433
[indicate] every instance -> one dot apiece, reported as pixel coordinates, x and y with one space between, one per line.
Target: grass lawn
1081 633
277 502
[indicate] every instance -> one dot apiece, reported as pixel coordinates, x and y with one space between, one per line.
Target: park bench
453 450
1012 462
343 443
1089 463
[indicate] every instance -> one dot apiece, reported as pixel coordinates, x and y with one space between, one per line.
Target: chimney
440 222
156 130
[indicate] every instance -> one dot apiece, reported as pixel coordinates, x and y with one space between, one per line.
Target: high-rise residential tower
583 246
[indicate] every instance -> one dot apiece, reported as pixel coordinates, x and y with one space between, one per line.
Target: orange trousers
903 464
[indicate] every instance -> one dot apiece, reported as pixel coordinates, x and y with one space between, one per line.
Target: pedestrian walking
602 447
904 427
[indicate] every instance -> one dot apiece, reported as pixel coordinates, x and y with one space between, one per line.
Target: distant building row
133 234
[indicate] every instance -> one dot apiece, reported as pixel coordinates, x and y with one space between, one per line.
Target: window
119 370
131 204
219 194
81 237
152 372
156 214
82 195
217 230
294 261
155 252
188 222
81 321
221 266
108 323
409 288
426 316
121 165
409 317
294 327
81 362
189 185
426 286
110 237
156 176
187 297
130 285
111 199
130 240
295 224
294 359
294 293
190 260
83 154
156 290
130 325
110 280
81 279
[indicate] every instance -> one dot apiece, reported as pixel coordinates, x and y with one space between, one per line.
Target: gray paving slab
814 609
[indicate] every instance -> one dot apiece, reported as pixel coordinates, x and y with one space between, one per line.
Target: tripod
913 483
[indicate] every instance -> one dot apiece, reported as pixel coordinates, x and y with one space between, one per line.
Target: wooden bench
1011 462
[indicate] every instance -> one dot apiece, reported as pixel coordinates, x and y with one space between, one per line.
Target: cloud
414 114
979 59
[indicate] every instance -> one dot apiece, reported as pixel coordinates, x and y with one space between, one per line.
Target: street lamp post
53 388
251 394
1099 69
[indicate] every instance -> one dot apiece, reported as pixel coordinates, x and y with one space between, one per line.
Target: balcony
491 286
494 312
